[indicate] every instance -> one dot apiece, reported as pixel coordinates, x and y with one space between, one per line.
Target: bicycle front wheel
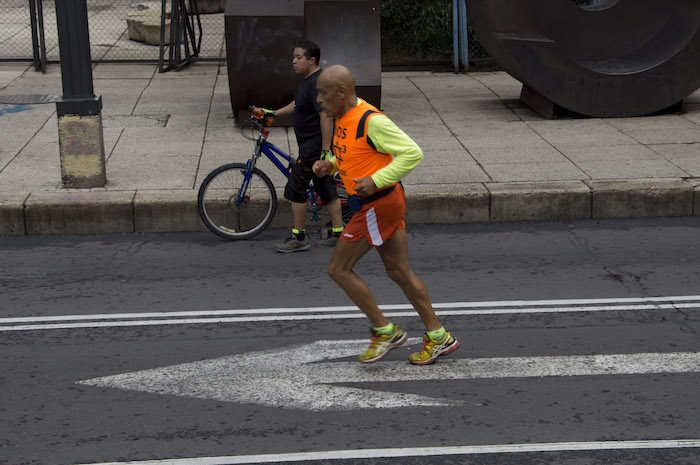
233 209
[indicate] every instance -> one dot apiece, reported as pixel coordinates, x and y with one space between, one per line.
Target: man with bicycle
372 155
313 131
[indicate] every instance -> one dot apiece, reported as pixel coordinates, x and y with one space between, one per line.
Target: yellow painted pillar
81 145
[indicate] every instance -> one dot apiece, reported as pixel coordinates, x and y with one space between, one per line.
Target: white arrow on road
294 378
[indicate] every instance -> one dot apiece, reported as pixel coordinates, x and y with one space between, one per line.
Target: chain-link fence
109 33
413 32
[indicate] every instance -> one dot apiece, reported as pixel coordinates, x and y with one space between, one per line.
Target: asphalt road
162 347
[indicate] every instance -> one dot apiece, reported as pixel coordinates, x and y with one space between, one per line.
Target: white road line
357 454
327 313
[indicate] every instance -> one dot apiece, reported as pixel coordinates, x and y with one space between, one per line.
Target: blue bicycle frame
272 152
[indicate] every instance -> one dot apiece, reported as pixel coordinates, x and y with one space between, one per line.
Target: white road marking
357 454
332 313
293 377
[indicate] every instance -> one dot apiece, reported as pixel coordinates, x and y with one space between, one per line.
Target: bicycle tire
217 206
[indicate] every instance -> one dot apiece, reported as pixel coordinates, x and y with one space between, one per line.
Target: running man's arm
388 138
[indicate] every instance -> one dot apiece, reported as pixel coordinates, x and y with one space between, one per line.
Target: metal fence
109 34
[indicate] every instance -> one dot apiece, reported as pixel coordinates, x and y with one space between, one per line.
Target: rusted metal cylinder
615 58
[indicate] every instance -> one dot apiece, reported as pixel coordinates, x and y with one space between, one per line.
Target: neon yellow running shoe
381 344
433 349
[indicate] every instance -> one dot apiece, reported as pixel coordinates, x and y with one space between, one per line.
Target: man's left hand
365 186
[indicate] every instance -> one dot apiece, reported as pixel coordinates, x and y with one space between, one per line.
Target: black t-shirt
307 123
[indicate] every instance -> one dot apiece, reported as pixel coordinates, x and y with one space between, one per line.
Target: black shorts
302 174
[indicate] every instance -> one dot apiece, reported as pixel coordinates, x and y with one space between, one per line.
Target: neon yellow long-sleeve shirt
388 138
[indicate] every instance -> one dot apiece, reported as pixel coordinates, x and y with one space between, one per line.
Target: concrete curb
79 212
696 186
166 211
12 214
566 200
100 211
639 198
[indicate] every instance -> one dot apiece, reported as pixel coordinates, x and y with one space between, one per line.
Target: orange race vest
355 155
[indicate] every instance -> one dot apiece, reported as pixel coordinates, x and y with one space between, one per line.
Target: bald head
339 76
336 90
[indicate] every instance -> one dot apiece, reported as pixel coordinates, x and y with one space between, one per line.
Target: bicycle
238 200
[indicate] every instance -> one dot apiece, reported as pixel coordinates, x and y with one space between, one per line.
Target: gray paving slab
487 156
515 155
6 156
608 153
36 168
582 134
432 138
447 174
414 111
671 151
442 159
162 171
10 72
645 168
49 131
516 137
12 139
684 135
693 113
539 171
134 121
457 116
650 122
400 87
125 71
689 165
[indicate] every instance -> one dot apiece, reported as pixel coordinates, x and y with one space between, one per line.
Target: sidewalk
487 156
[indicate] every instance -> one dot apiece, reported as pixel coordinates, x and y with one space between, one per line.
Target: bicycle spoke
228 215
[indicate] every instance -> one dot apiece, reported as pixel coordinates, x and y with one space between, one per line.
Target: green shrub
416 30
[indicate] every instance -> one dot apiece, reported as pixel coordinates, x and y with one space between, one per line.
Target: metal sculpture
613 58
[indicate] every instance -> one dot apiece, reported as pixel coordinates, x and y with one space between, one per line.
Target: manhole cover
28 99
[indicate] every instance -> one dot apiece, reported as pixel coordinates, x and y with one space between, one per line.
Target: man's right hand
323 168
264 110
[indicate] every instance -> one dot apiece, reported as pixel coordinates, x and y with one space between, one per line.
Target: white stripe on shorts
373 228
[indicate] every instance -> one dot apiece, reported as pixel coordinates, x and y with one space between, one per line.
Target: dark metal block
349 33
260 37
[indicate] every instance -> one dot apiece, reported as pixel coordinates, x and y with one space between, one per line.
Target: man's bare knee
400 276
336 272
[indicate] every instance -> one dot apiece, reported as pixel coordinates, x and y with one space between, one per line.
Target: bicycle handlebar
261 115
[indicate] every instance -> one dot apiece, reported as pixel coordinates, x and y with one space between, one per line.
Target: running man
313 132
372 154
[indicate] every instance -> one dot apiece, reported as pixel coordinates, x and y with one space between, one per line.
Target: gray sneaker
330 241
292 244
